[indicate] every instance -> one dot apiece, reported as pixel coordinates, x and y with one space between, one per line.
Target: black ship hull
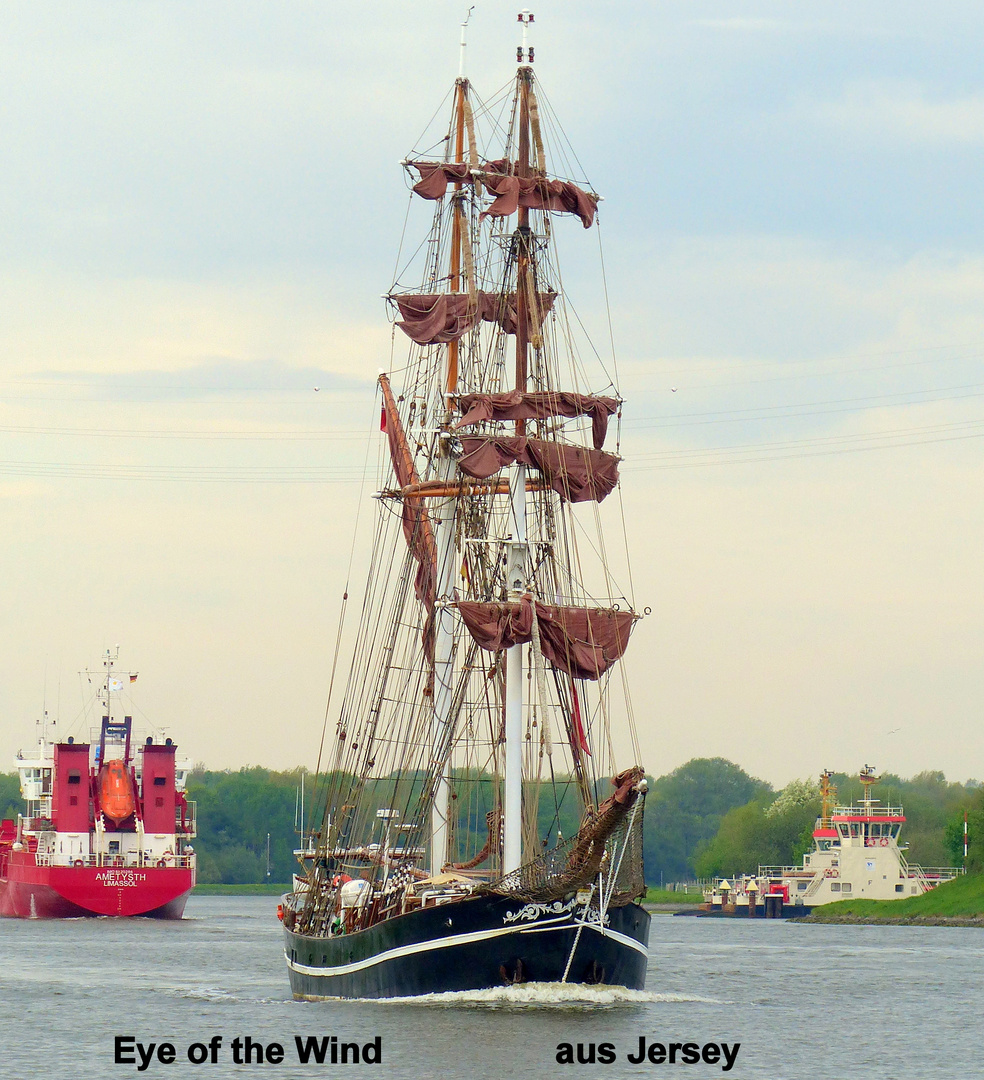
475 943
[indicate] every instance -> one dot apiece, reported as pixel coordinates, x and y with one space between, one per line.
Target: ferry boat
108 827
856 853
480 699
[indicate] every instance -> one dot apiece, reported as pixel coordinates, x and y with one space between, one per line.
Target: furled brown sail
538 405
538 193
437 318
576 473
584 642
436 175
511 191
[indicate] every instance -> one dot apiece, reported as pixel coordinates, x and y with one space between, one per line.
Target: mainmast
512 810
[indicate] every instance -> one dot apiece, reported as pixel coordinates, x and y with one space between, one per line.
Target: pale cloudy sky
200 205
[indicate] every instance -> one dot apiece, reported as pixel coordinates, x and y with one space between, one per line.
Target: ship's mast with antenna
109 662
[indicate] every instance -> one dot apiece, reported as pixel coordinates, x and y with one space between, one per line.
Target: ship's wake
545 995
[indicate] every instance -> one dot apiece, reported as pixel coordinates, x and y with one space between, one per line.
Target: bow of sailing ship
476 827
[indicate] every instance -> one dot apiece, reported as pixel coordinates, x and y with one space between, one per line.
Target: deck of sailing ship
476 828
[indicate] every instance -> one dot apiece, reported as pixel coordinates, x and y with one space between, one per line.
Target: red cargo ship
107 827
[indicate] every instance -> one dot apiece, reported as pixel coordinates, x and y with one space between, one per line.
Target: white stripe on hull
458 939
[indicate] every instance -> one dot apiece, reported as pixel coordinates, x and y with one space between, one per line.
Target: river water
804 1002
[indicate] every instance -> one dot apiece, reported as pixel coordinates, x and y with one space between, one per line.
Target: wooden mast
444 513
456 223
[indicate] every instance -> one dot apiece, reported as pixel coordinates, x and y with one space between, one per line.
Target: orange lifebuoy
161 863
78 862
884 841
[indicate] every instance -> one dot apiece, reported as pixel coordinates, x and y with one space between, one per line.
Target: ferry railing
873 811
784 871
929 876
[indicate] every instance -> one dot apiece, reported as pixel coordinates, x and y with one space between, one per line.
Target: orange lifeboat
115 791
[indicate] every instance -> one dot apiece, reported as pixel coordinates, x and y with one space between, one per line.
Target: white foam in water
551 994
200 993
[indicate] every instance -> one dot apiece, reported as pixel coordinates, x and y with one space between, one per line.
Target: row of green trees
706 818
10 800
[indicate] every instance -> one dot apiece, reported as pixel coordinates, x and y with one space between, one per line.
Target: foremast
444 615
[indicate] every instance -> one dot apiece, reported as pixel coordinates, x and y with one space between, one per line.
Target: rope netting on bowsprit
606 853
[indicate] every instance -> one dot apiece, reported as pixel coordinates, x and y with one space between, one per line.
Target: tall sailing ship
477 829
107 828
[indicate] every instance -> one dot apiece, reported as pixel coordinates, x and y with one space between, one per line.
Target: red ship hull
30 891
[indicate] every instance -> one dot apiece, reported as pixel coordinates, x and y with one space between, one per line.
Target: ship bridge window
159 781
75 777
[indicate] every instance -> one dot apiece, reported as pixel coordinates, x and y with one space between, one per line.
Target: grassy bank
959 902
664 896
241 890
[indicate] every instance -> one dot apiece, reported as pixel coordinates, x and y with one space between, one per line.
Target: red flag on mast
580 738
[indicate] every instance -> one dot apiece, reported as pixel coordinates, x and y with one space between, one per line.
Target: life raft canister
115 791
